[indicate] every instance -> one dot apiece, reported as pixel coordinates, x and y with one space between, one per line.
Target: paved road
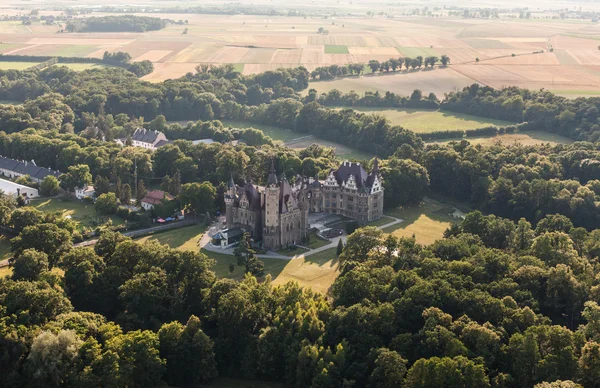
205 243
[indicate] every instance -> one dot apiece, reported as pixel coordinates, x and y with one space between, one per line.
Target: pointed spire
231 183
272 180
376 166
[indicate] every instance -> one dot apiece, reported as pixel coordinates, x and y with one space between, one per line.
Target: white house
155 197
148 139
85 192
14 189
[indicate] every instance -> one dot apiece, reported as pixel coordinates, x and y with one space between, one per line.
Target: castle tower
303 205
229 200
271 232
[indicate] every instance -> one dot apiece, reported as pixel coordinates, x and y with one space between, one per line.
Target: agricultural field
422 121
16 65
509 50
317 271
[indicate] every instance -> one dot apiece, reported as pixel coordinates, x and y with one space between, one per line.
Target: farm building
12 168
14 189
146 138
155 197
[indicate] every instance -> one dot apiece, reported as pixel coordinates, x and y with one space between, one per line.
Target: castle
277 214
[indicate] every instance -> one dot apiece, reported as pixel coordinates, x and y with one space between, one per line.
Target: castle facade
277 214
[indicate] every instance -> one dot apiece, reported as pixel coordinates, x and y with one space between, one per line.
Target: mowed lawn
426 221
422 121
82 212
17 65
4 247
317 271
285 135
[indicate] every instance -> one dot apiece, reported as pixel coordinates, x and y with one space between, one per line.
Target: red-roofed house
155 197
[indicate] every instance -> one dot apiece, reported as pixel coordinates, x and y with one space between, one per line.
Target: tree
444 59
246 257
446 372
29 265
374 65
589 365
141 190
101 185
77 176
106 204
145 298
49 186
360 243
139 361
405 181
340 247
52 358
559 384
200 197
389 370
47 238
126 194
188 352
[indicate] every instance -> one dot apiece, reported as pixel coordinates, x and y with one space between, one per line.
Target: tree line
493 304
121 23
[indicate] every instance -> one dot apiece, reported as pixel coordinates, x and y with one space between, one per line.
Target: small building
85 192
148 139
15 190
12 169
155 197
228 237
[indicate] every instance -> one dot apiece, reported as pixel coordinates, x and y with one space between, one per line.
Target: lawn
273 132
17 65
524 138
382 221
316 242
82 212
422 121
336 49
426 221
239 67
83 66
4 247
317 271
413 52
292 251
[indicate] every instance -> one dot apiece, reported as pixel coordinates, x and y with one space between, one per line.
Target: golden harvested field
258 43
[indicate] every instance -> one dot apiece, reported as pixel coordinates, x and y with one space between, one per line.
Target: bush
106 204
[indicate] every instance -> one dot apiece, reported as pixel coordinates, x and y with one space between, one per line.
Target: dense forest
509 298
126 23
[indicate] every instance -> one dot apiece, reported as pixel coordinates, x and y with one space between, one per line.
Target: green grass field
422 121
74 51
4 247
273 132
317 271
16 65
239 67
426 221
83 66
82 212
336 49
413 52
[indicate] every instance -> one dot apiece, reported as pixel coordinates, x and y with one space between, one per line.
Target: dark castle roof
147 136
362 178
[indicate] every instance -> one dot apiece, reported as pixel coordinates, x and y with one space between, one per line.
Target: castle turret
230 195
271 233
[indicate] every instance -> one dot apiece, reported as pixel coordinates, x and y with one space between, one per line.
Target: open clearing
316 271
16 65
523 138
285 136
422 121
79 211
260 43
426 221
